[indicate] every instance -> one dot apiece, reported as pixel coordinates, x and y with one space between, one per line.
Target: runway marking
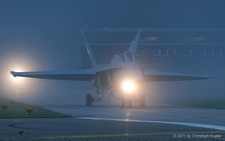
208 126
136 134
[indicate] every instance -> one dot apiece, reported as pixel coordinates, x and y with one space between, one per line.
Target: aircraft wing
79 75
170 76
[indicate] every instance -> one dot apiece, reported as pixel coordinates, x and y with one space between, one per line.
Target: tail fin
129 55
93 61
134 43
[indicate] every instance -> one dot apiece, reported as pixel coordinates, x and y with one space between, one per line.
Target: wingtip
13 73
215 77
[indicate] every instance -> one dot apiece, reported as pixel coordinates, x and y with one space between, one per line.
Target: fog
44 35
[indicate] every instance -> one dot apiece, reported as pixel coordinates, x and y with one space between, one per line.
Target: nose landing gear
122 103
125 100
142 100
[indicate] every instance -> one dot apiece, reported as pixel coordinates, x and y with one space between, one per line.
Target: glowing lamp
128 86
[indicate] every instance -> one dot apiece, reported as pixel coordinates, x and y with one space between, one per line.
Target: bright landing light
128 86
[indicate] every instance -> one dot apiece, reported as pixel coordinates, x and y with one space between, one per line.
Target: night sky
42 34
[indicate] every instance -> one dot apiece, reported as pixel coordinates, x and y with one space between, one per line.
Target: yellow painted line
138 134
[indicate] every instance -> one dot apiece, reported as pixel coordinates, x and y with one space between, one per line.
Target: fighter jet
120 78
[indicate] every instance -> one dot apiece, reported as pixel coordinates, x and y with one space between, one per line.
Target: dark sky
41 34
59 15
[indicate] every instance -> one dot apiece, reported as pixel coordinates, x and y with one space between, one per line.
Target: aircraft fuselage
112 79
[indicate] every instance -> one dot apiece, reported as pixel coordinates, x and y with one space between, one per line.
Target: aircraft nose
136 75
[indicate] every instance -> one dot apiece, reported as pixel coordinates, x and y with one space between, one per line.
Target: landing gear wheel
122 102
130 103
142 100
89 100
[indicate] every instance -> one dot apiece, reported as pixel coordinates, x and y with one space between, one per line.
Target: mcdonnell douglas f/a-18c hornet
120 78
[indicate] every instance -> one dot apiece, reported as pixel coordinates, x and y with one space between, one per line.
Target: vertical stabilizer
134 43
129 55
93 61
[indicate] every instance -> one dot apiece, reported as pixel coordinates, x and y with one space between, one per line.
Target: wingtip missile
13 73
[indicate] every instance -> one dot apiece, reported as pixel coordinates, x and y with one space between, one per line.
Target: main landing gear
89 100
